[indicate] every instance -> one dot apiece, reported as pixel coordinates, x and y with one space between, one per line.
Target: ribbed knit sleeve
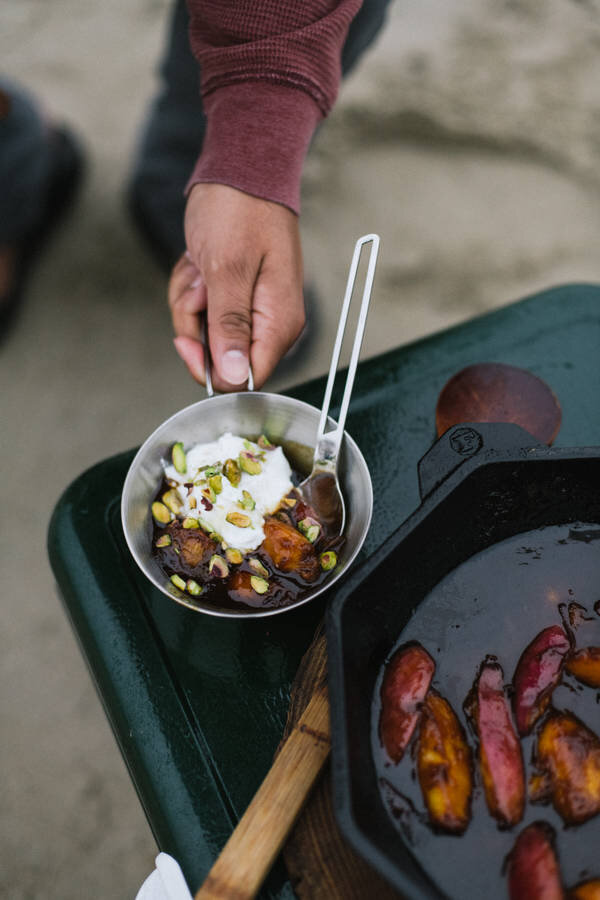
270 70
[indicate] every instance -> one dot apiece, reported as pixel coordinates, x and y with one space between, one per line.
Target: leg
169 146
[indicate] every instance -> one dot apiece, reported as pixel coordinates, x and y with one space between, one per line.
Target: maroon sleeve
270 70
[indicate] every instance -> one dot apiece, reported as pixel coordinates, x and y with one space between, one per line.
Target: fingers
187 299
278 318
230 289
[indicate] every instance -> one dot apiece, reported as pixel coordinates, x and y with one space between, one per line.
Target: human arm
270 72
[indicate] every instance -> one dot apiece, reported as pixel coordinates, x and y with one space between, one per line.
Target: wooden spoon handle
252 848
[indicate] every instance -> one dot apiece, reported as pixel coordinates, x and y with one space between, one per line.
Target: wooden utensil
251 850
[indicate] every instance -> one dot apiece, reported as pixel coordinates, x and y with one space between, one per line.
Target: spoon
321 489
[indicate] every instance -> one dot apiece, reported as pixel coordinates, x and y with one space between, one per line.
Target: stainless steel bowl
285 421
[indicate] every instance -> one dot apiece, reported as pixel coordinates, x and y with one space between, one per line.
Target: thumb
229 311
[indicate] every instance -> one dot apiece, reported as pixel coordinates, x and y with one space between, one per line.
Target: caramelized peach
405 683
538 672
444 766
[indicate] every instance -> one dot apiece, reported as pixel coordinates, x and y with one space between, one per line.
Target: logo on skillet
465 441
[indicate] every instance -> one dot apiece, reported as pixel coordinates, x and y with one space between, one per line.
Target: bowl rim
246 613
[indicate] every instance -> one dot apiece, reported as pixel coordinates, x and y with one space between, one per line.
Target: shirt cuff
256 140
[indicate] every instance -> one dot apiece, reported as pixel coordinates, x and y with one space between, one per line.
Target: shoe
64 178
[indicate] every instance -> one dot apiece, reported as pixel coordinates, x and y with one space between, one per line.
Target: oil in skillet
495 603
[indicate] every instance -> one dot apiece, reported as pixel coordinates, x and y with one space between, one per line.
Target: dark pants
24 163
172 138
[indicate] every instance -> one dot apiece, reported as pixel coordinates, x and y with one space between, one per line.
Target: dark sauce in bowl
496 603
285 588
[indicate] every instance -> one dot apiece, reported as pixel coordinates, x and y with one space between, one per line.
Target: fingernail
234 366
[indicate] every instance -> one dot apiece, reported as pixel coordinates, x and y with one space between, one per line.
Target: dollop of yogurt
265 489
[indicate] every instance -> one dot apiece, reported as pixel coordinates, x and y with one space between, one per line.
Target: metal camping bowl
284 420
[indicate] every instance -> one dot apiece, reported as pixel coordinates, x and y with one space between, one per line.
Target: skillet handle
463 442
251 850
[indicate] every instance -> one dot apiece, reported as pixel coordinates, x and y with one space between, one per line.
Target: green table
198 704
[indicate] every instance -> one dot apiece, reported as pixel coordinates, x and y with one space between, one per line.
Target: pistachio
264 443
214 536
256 566
178 582
289 501
161 513
249 463
310 528
190 522
216 483
192 502
247 501
231 471
234 556
217 566
249 446
205 526
210 471
208 493
178 457
165 540
173 501
328 560
240 520
259 584
193 588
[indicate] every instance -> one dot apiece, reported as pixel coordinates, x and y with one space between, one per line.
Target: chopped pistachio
249 446
264 443
214 536
193 588
208 493
165 540
178 582
192 502
205 526
178 457
210 471
247 501
231 471
234 556
328 560
217 566
161 513
289 501
249 463
259 584
240 520
216 483
173 501
190 522
310 528
257 567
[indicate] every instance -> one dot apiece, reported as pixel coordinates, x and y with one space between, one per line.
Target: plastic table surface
198 704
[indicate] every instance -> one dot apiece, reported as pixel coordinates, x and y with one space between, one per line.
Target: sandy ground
470 146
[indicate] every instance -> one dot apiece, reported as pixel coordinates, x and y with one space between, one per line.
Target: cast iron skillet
480 484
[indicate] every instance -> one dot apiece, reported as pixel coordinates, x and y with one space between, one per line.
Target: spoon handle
328 444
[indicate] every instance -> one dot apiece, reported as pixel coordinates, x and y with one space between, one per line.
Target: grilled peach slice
532 866
568 756
500 756
444 766
289 550
405 684
538 672
585 666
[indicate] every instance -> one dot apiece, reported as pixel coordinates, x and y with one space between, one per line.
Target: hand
244 267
